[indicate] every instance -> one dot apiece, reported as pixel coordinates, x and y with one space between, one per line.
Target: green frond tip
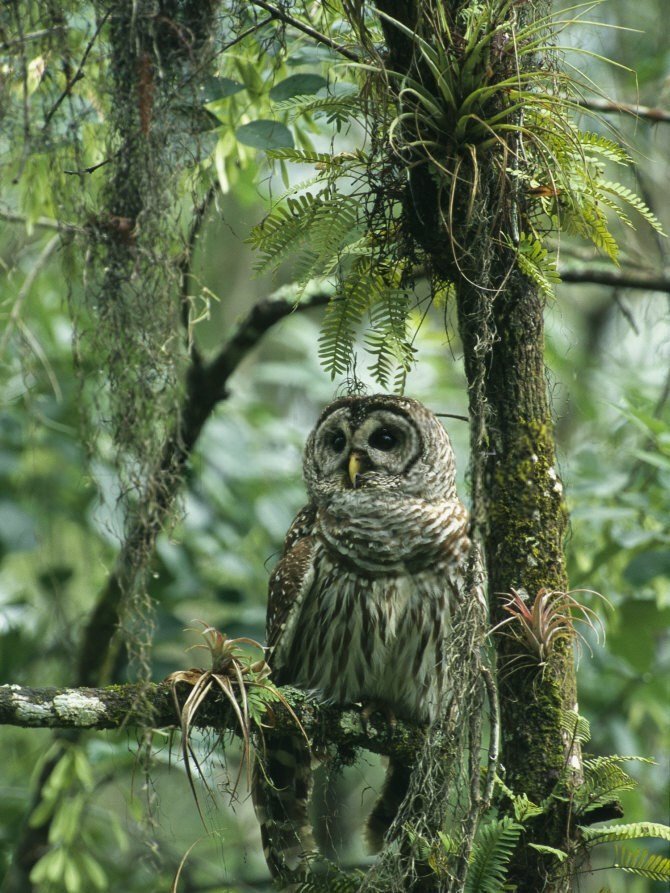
604 780
491 854
644 864
628 196
626 832
536 264
561 855
576 726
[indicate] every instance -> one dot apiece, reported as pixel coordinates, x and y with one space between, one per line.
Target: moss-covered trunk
524 521
517 495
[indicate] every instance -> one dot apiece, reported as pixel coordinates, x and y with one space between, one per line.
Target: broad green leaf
219 88
297 85
265 134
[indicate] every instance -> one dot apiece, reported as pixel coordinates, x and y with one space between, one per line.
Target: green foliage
472 92
648 865
59 517
67 799
491 853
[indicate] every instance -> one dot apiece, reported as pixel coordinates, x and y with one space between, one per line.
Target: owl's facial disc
356 451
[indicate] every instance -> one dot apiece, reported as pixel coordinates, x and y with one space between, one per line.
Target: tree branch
42 223
122 706
639 279
610 107
283 16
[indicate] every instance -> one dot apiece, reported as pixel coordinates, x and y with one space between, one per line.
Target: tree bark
518 502
122 706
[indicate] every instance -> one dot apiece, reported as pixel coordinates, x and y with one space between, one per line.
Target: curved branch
121 706
639 279
610 107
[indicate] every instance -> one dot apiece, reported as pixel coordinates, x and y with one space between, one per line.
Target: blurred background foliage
608 356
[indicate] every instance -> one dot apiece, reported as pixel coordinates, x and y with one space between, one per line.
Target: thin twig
307 29
31 276
610 107
32 35
42 223
78 75
93 167
200 211
251 30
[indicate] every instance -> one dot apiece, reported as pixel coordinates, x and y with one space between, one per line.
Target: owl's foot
373 707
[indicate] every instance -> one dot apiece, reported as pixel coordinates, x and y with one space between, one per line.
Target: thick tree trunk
517 495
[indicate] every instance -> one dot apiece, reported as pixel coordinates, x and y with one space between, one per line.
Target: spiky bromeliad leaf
491 854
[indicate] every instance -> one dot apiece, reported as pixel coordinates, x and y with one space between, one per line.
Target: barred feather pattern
359 603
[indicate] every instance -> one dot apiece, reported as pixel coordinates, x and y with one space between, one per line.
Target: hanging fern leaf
604 780
644 864
534 262
491 853
596 142
343 316
626 832
576 726
634 201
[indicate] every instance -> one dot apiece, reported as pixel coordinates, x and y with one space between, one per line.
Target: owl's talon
377 707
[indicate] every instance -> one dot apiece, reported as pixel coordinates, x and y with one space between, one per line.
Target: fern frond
338 109
596 142
284 228
341 883
644 864
561 855
604 779
534 262
628 196
299 156
328 230
343 316
576 725
626 832
491 854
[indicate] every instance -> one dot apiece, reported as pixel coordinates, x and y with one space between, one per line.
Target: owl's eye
338 441
383 439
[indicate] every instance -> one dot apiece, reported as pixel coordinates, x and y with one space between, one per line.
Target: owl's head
382 443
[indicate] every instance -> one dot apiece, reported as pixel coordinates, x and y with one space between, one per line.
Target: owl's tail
281 788
386 808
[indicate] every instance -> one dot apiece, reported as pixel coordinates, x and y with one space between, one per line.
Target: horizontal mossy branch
123 706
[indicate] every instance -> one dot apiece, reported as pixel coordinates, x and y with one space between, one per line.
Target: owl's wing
289 582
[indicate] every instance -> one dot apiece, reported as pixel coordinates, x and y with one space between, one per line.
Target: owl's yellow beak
355 467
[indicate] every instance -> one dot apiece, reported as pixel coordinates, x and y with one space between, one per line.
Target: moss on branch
120 706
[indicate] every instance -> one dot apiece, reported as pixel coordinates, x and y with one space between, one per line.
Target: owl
359 603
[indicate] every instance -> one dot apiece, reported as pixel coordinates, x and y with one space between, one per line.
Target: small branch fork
122 706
